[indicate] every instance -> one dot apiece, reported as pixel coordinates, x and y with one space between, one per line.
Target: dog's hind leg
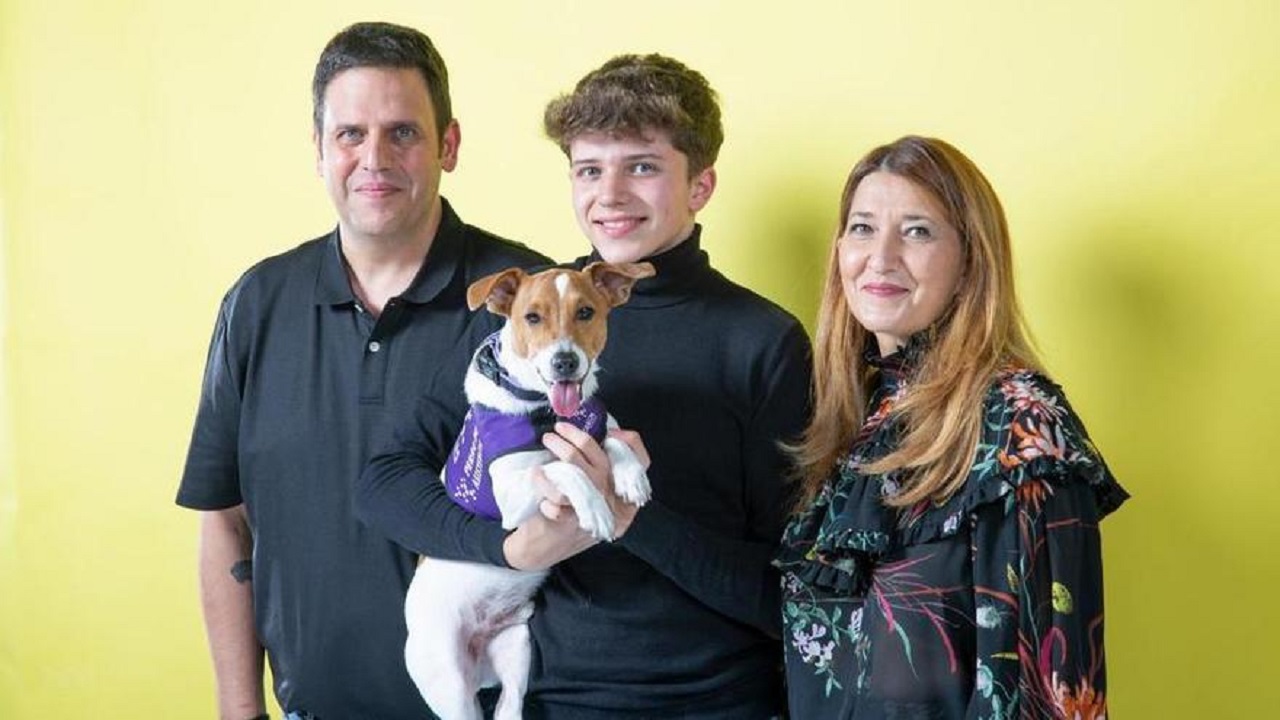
437 653
509 655
445 679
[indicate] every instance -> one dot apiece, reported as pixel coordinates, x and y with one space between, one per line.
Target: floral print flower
988 617
1033 492
1083 702
951 524
983 682
813 651
1025 394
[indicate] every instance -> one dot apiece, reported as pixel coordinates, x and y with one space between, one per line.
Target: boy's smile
633 196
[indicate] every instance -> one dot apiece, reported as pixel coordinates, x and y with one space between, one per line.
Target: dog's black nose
565 364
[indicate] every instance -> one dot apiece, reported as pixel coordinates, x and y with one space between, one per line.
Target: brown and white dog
468 622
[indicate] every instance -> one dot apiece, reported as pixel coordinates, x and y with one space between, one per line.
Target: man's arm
226 594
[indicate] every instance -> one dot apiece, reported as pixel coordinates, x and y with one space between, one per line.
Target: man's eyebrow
388 124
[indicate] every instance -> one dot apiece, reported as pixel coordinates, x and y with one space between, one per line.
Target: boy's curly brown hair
632 95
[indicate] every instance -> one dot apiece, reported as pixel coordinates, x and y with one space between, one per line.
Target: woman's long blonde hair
979 333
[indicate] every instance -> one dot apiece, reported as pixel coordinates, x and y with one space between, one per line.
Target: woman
944 560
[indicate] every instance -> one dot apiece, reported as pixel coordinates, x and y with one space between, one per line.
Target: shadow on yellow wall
1189 341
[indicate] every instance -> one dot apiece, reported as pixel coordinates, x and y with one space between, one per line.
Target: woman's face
900 259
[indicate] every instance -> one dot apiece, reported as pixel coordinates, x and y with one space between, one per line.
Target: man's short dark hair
383 45
633 94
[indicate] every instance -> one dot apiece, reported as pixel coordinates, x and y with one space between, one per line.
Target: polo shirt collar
334 288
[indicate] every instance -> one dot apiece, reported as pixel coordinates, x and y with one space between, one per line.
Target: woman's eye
858 229
918 232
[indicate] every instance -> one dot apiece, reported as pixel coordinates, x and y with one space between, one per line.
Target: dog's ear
496 291
615 280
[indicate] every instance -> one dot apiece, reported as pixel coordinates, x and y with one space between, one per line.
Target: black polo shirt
299 386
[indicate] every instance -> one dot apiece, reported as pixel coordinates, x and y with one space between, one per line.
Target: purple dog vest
488 434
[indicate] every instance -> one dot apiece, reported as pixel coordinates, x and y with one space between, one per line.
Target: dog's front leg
513 489
630 481
592 509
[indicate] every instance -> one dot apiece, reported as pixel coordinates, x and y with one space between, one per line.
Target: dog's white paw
595 517
592 509
631 483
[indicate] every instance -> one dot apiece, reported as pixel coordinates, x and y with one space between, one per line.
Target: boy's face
632 195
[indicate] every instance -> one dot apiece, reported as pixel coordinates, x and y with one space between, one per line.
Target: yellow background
150 151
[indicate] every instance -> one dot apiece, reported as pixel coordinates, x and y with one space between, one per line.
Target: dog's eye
586 312
532 318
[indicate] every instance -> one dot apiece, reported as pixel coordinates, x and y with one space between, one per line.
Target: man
313 350
679 617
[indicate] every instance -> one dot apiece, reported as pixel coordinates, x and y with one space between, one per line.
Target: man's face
380 156
632 195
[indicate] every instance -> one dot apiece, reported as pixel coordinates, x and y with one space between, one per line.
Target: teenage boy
679 617
313 350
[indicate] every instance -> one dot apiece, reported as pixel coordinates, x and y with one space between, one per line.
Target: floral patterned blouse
987 606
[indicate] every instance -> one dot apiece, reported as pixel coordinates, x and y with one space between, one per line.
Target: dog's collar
488 365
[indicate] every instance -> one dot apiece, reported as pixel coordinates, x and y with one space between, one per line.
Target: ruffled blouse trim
1032 436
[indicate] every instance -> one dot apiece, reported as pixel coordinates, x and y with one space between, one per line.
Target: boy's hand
573 445
541 542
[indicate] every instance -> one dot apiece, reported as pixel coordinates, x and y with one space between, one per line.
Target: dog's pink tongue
565 398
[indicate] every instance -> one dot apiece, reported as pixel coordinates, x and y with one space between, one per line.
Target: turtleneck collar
677 271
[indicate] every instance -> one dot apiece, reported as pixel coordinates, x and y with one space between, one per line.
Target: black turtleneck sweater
680 617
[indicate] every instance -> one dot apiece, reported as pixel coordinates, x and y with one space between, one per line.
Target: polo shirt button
375 346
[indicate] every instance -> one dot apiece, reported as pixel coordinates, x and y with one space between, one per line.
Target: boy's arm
400 495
